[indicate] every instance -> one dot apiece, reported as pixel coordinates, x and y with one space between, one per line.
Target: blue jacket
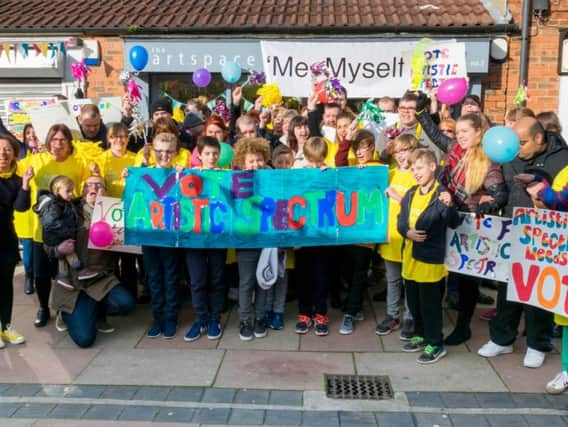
434 220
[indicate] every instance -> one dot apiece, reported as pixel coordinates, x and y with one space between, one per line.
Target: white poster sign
109 107
44 117
443 61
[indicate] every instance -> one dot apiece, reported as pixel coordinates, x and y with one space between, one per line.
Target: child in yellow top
114 160
426 211
401 180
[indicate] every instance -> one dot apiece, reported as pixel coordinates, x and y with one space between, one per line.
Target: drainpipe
525 38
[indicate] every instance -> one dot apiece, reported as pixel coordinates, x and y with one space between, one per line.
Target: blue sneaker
195 331
277 321
155 330
268 316
214 331
170 329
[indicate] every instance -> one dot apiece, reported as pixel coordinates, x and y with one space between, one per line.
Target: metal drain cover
368 387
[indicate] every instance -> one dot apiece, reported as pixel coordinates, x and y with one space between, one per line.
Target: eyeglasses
164 152
406 109
96 185
447 130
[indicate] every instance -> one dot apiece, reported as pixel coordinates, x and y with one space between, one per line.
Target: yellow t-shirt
182 158
560 180
87 150
23 221
45 169
413 269
111 170
401 181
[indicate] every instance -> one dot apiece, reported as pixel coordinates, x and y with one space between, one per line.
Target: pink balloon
101 234
452 91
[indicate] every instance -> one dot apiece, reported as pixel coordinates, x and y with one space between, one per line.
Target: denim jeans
394 285
27 247
276 295
161 269
247 260
206 271
82 323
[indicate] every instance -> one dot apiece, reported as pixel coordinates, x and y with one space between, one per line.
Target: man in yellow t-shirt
426 211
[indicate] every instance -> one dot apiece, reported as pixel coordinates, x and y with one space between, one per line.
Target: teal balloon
138 56
226 155
501 144
231 72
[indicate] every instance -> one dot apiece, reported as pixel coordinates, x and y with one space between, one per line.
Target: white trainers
534 358
559 384
490 349
60 323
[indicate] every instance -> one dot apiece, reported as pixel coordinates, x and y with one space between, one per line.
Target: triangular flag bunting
53 48
25 48
62 48
15 52
6 47
43 46
1 50
37 49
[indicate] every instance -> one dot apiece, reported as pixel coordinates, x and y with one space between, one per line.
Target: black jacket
546 164
60 220
101 136
434 220
431 129
12 197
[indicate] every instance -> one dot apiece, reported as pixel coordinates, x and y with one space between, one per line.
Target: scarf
6 175
453 176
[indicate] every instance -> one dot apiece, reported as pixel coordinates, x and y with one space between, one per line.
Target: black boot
468 294
42 317
29 284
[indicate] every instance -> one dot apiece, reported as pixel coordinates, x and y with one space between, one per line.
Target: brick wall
502 82
104 79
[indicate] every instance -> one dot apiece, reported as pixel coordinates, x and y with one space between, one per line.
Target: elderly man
545 154
84 309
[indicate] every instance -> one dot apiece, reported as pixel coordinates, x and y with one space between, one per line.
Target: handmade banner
255 209
539 259
480 247
44 117
17 113
107 227
110 107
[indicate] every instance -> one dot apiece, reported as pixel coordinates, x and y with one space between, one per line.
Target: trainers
321 329
260 330
86 274
533 358
347 325
304 324
104 327
12 336
359 316
490 349
387 326
66 283
170 330
414 345
214 331
245 332
432 353
155 330
60 323
194 332
277 322
559 384
489 314
268 316
407 330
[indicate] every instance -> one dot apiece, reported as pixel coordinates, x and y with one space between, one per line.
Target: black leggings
6 293
44 271
468 292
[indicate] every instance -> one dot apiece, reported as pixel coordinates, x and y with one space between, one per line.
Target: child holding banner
426 211
206 266
401 180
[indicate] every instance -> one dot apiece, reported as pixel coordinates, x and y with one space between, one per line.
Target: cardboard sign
110 210
443 61
539 259
480 247
17 113
44 117
256 209
110 108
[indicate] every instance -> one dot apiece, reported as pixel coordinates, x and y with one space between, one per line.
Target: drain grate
370 387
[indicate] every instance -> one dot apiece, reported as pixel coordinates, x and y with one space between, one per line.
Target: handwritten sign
17 113
480 247
255 209
539 259
110 107
110 210
443 61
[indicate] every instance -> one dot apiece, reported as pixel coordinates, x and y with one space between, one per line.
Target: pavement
127 379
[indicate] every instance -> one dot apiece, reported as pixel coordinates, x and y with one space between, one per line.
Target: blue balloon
138 57
501 144
231 72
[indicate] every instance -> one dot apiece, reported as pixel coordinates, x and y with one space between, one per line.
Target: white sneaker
60 323
490 349
534 358
559 384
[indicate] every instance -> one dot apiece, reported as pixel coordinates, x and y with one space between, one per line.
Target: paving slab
320 418
153 367
99 423
280 369
349 418
428 420
246 417
68 411
285 339
276 417
23 320
545 421
34 410
445 375
27 364
463 420
395 419
286 397
506 421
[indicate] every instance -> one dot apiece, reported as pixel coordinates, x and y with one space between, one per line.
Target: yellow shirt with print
182 158
45 169
111 170
23 221
400 181
413 269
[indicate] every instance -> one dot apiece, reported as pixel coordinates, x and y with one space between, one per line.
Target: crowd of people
437 168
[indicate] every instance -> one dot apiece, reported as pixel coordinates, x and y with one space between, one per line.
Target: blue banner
255 209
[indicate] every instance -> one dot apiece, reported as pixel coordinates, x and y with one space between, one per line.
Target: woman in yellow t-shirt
59 159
